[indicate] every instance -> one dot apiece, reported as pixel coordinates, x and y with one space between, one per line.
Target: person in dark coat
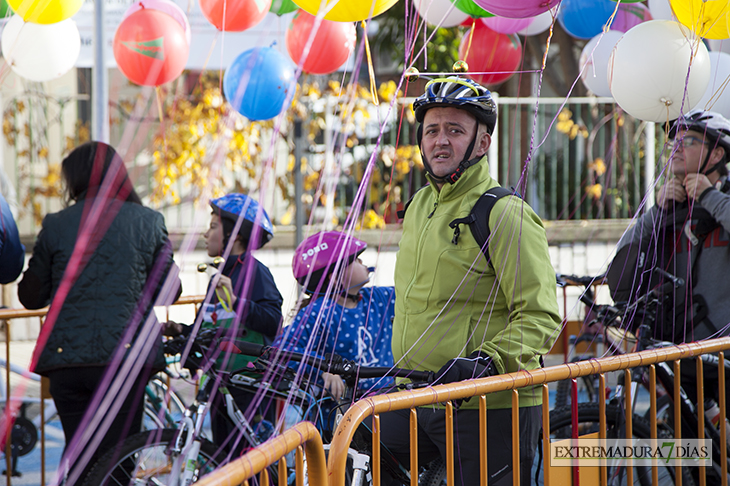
101 263
12 251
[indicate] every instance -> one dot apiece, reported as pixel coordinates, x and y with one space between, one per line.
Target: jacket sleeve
263 313
168 287
718 204
526 277
643 228
12 252
34 290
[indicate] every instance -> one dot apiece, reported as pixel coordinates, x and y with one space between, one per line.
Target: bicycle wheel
167 406
588 422
146 458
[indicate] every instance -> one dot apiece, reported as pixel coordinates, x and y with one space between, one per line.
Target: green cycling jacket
450 302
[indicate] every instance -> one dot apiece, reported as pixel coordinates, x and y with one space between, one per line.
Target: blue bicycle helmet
231 206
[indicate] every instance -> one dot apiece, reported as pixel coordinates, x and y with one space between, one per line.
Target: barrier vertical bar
723 416
449 443
701 413
603 474
629 423
414 447
546 434
677 419
376 450
652 420
515 438
483 440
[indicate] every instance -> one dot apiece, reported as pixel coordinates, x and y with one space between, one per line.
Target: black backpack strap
478 218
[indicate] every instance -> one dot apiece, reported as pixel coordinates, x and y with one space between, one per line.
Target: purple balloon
517 9
630 15
503 25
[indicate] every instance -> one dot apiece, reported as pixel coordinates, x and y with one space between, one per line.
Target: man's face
689 153
214 237
447 133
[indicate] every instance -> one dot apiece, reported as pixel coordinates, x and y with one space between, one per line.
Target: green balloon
471 8
279 7
5 10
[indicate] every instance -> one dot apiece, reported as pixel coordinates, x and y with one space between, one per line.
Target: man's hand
671 192
477 365
333 384
695 185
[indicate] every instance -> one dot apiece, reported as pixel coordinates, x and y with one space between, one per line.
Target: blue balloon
257 81
585 19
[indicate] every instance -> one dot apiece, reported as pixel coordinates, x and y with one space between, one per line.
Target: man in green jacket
456 313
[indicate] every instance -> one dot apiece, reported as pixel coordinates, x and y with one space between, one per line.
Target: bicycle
643 310
182 455
162 408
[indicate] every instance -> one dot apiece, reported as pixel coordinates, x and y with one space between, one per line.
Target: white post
100 84
493 151
649 162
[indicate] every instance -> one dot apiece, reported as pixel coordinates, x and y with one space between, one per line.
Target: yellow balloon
346 10
45 11
707 18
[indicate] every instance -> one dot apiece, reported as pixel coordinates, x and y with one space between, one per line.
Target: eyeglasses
684 142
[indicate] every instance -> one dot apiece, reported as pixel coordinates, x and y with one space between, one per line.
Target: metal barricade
7 315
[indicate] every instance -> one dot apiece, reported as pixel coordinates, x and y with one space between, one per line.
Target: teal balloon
471 8
278 7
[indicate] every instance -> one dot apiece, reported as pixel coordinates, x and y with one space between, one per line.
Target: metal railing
10 314
409 400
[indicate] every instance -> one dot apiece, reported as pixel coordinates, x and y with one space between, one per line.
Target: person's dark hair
87 166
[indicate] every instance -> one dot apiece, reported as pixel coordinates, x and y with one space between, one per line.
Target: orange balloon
239 14
150 47
331 46
497 55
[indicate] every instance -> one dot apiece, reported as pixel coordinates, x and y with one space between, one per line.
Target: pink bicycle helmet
316 257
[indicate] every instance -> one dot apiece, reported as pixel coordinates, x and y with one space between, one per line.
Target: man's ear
484 140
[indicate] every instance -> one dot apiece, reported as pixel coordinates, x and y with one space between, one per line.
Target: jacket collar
475 175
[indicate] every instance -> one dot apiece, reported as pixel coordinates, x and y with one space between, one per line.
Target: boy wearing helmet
456 313
249 288
342 316
687 234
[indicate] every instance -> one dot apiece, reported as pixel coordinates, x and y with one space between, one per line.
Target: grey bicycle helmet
461 93
714 126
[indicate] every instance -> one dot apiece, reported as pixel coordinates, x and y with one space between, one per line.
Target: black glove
477 365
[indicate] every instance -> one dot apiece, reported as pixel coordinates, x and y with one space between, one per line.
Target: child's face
214 237
355 276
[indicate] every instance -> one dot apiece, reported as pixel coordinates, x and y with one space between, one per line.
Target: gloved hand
477 365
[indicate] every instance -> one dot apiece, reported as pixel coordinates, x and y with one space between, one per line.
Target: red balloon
498 55
150 47
239 14
332 44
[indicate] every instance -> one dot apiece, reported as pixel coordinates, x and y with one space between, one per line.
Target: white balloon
40 52
647 72
440 12
717 95
540 23
661 10
594 57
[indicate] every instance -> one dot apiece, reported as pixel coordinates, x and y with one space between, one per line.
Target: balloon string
471 36
371 71
159 109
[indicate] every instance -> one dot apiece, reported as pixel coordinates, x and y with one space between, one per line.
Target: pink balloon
166 6
503 25
630 15
517 9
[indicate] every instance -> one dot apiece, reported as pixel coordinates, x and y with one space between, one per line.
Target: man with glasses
686 234
457 313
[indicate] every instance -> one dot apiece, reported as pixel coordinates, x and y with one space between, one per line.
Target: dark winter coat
119 279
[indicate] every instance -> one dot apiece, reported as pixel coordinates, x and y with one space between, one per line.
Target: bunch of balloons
41 42
152 42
